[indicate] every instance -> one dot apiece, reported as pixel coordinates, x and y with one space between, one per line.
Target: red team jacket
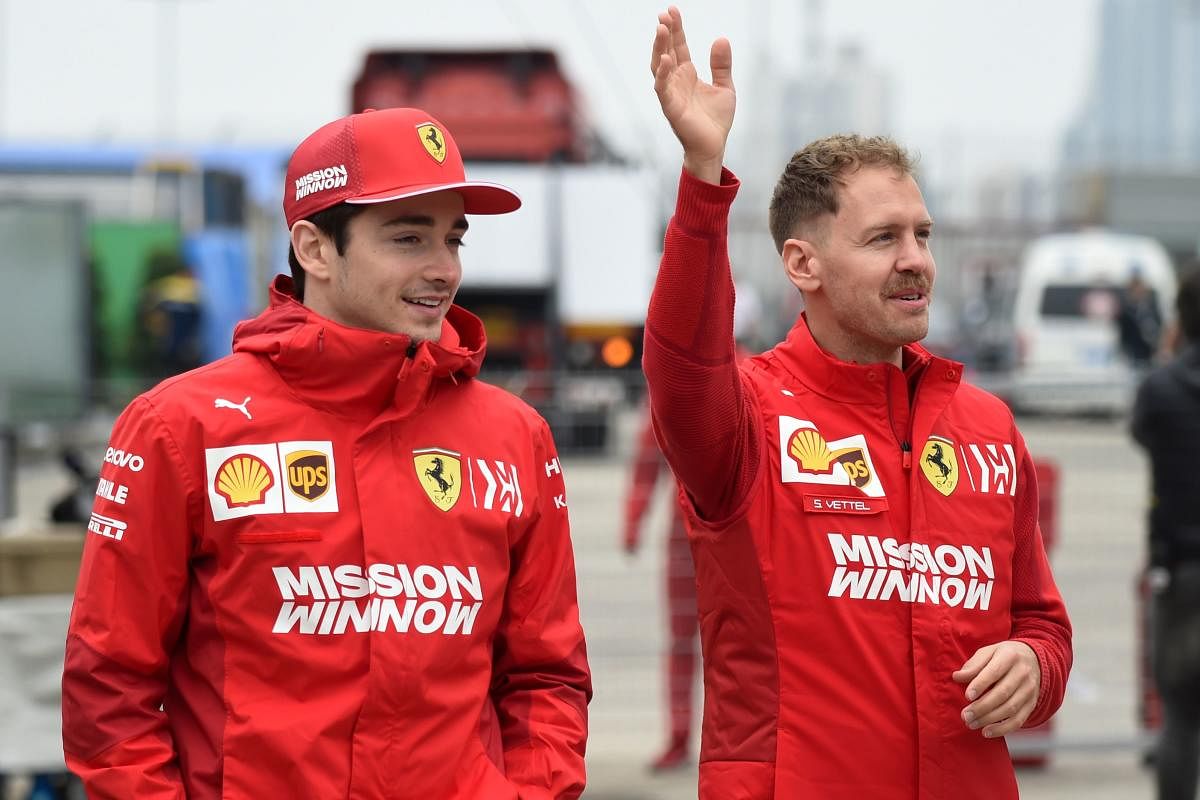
328 566
867 548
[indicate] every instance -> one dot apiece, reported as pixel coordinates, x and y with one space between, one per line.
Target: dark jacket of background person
1166 422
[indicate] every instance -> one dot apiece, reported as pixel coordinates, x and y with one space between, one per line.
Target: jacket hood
353 369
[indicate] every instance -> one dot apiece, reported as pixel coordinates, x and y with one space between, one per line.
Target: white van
1068 295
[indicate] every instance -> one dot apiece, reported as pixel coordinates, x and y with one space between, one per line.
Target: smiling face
399 270
866 272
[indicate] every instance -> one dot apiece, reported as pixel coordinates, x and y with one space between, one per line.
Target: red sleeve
542 684
1039 617
646 467
698 403
128 611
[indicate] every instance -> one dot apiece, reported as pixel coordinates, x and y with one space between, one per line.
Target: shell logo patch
244 480
247 480
940 465
433 140
440 474
810 449
806 457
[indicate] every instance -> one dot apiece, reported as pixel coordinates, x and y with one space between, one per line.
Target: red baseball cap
383 155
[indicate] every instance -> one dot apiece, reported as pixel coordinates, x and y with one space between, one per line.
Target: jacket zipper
905 444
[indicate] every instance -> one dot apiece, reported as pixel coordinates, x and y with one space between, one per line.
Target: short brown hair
808 187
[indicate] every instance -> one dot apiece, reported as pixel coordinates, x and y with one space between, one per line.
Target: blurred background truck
102 237
562 285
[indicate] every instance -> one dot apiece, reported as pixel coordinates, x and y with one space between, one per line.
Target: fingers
720 63
1005 706
662 40
678 39
971 669
1003 684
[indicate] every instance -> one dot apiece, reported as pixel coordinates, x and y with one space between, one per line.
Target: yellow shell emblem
809 448
243 480
939 464
433 140
440 475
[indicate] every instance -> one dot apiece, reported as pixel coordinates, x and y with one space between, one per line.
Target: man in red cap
334 563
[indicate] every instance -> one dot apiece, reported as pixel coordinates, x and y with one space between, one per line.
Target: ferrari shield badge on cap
434 141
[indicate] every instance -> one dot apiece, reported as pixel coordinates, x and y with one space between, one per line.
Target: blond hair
808 188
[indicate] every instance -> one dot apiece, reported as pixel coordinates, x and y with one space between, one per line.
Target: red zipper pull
906 454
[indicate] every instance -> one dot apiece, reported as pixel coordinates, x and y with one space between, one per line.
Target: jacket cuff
1044 700
702 208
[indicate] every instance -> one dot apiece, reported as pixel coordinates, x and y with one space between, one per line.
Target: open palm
700 113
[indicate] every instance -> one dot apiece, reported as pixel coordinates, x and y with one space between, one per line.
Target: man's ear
313 249
802 263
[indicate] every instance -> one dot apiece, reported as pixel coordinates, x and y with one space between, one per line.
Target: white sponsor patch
321 179
324 600
107 526
805 457
990 468
110 490
277 478
119 458
874 568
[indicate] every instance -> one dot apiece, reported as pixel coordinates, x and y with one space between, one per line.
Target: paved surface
1096 559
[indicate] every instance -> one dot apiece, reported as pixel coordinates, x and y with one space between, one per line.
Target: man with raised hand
876 606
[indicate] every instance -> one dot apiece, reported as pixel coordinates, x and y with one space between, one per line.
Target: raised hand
700 113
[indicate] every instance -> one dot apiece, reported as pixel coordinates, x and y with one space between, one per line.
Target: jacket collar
353 371
848 382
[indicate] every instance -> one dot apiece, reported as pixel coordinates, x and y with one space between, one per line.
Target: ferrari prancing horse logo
434 140
440 475
939 464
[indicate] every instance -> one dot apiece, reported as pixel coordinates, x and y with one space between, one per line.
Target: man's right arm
129 608
701 414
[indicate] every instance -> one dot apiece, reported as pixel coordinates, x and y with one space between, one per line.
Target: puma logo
221 402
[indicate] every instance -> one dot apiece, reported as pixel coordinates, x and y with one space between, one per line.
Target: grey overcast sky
992 82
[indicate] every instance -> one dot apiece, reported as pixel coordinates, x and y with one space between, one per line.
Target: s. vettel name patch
834 504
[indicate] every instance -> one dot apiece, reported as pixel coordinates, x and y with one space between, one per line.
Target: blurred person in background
1166 423
874 617
647 466
1139 324
170 313
335 564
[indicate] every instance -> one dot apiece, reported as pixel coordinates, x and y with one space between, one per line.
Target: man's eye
457 241
410 239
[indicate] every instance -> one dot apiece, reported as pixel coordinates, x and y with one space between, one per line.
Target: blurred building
1131 159
1143 108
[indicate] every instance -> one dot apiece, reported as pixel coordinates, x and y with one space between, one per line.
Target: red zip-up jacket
859 532
330 565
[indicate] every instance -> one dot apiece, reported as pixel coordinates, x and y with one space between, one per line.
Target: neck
835 341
